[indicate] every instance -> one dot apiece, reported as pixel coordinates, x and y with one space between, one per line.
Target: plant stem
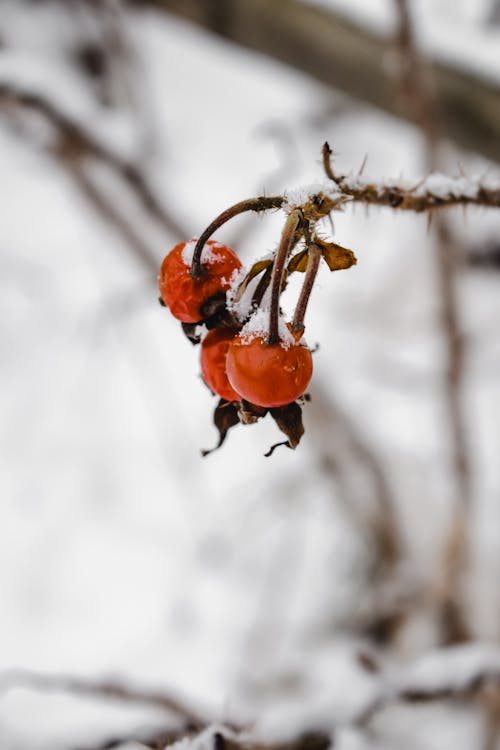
284 248
262 203
313 260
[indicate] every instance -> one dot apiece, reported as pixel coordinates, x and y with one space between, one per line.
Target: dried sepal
191 332
250 413
225 417
213 306
336 256
258 267
289 420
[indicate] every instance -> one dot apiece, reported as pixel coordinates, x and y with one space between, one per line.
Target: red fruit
268 375
185 296
213 362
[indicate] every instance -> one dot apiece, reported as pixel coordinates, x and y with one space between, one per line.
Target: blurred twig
341 456
99 689
482 681
335 50
155 739
106 208
78 143
417 94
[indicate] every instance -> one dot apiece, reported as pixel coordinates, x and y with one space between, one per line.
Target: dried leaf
225 417
289 420
257 267
250 413
298 262
336 256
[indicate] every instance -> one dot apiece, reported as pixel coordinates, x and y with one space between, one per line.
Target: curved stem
262 203
284 248
313 260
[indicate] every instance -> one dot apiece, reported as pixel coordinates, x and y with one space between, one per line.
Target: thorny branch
427 194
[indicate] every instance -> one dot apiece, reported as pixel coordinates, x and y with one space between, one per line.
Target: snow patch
209 253
202 741
240 308
258 326
300 195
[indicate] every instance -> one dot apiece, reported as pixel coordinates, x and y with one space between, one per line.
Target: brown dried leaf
257 268
250 413
336 256
298 262
225 417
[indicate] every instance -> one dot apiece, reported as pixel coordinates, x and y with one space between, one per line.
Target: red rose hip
213 362
185 295
268 375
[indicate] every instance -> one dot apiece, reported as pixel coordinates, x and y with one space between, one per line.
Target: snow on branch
455 672
435 191
111 690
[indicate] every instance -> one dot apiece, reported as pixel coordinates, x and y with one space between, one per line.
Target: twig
343 451
111 690
79 143
219 737
416 90
474 686
156 739
106 208
427 194
351 56
262 203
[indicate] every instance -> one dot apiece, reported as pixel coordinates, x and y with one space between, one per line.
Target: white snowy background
231 581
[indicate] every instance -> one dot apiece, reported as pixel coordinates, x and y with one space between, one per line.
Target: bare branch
80 144
418 95
462 677
348 56
156 739
427 194
103 689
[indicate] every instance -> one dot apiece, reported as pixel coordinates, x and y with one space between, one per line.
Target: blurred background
285 594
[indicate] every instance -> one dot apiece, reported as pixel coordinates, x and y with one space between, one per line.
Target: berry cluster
250 357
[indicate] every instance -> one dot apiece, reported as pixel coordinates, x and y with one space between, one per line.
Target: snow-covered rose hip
268 375
185 295
213 362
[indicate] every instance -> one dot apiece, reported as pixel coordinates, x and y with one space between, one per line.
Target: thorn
430 217
363 164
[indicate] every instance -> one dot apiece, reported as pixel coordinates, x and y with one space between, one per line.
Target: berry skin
268 375
185 296
213 362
